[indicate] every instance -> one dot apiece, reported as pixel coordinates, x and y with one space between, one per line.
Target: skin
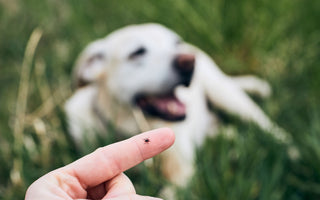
99 175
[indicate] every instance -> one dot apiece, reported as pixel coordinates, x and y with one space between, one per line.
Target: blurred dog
143 77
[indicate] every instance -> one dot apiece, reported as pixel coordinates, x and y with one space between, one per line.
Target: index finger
107 162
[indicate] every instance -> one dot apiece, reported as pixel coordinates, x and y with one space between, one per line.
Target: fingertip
167 136
170 134
154 142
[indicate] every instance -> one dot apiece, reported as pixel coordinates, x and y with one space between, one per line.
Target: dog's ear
90 66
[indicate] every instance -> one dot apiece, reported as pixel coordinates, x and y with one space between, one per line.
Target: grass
277 40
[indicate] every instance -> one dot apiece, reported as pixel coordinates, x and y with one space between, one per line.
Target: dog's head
140 65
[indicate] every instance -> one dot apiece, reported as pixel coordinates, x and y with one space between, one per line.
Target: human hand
99 174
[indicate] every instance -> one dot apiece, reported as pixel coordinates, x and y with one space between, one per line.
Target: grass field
278 40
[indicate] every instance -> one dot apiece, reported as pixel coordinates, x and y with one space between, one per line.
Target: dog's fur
125 78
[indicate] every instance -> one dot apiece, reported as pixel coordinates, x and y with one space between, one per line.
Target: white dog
143 77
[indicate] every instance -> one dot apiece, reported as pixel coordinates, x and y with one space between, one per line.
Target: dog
143 77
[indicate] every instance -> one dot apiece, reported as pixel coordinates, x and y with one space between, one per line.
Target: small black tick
146 140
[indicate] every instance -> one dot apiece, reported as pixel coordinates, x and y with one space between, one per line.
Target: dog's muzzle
167 106
184 65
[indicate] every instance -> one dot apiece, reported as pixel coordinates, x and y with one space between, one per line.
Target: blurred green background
278 40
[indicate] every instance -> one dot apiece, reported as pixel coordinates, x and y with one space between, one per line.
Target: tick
146 140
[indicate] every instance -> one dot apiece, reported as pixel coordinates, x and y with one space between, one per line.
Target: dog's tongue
170 105
167 107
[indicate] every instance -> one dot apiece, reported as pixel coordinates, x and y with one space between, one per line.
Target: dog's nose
184 63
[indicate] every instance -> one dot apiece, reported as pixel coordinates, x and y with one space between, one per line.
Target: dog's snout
184 63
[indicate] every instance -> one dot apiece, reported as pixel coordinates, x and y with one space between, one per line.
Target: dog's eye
137 53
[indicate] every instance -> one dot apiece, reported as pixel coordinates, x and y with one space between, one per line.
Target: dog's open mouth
167 107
